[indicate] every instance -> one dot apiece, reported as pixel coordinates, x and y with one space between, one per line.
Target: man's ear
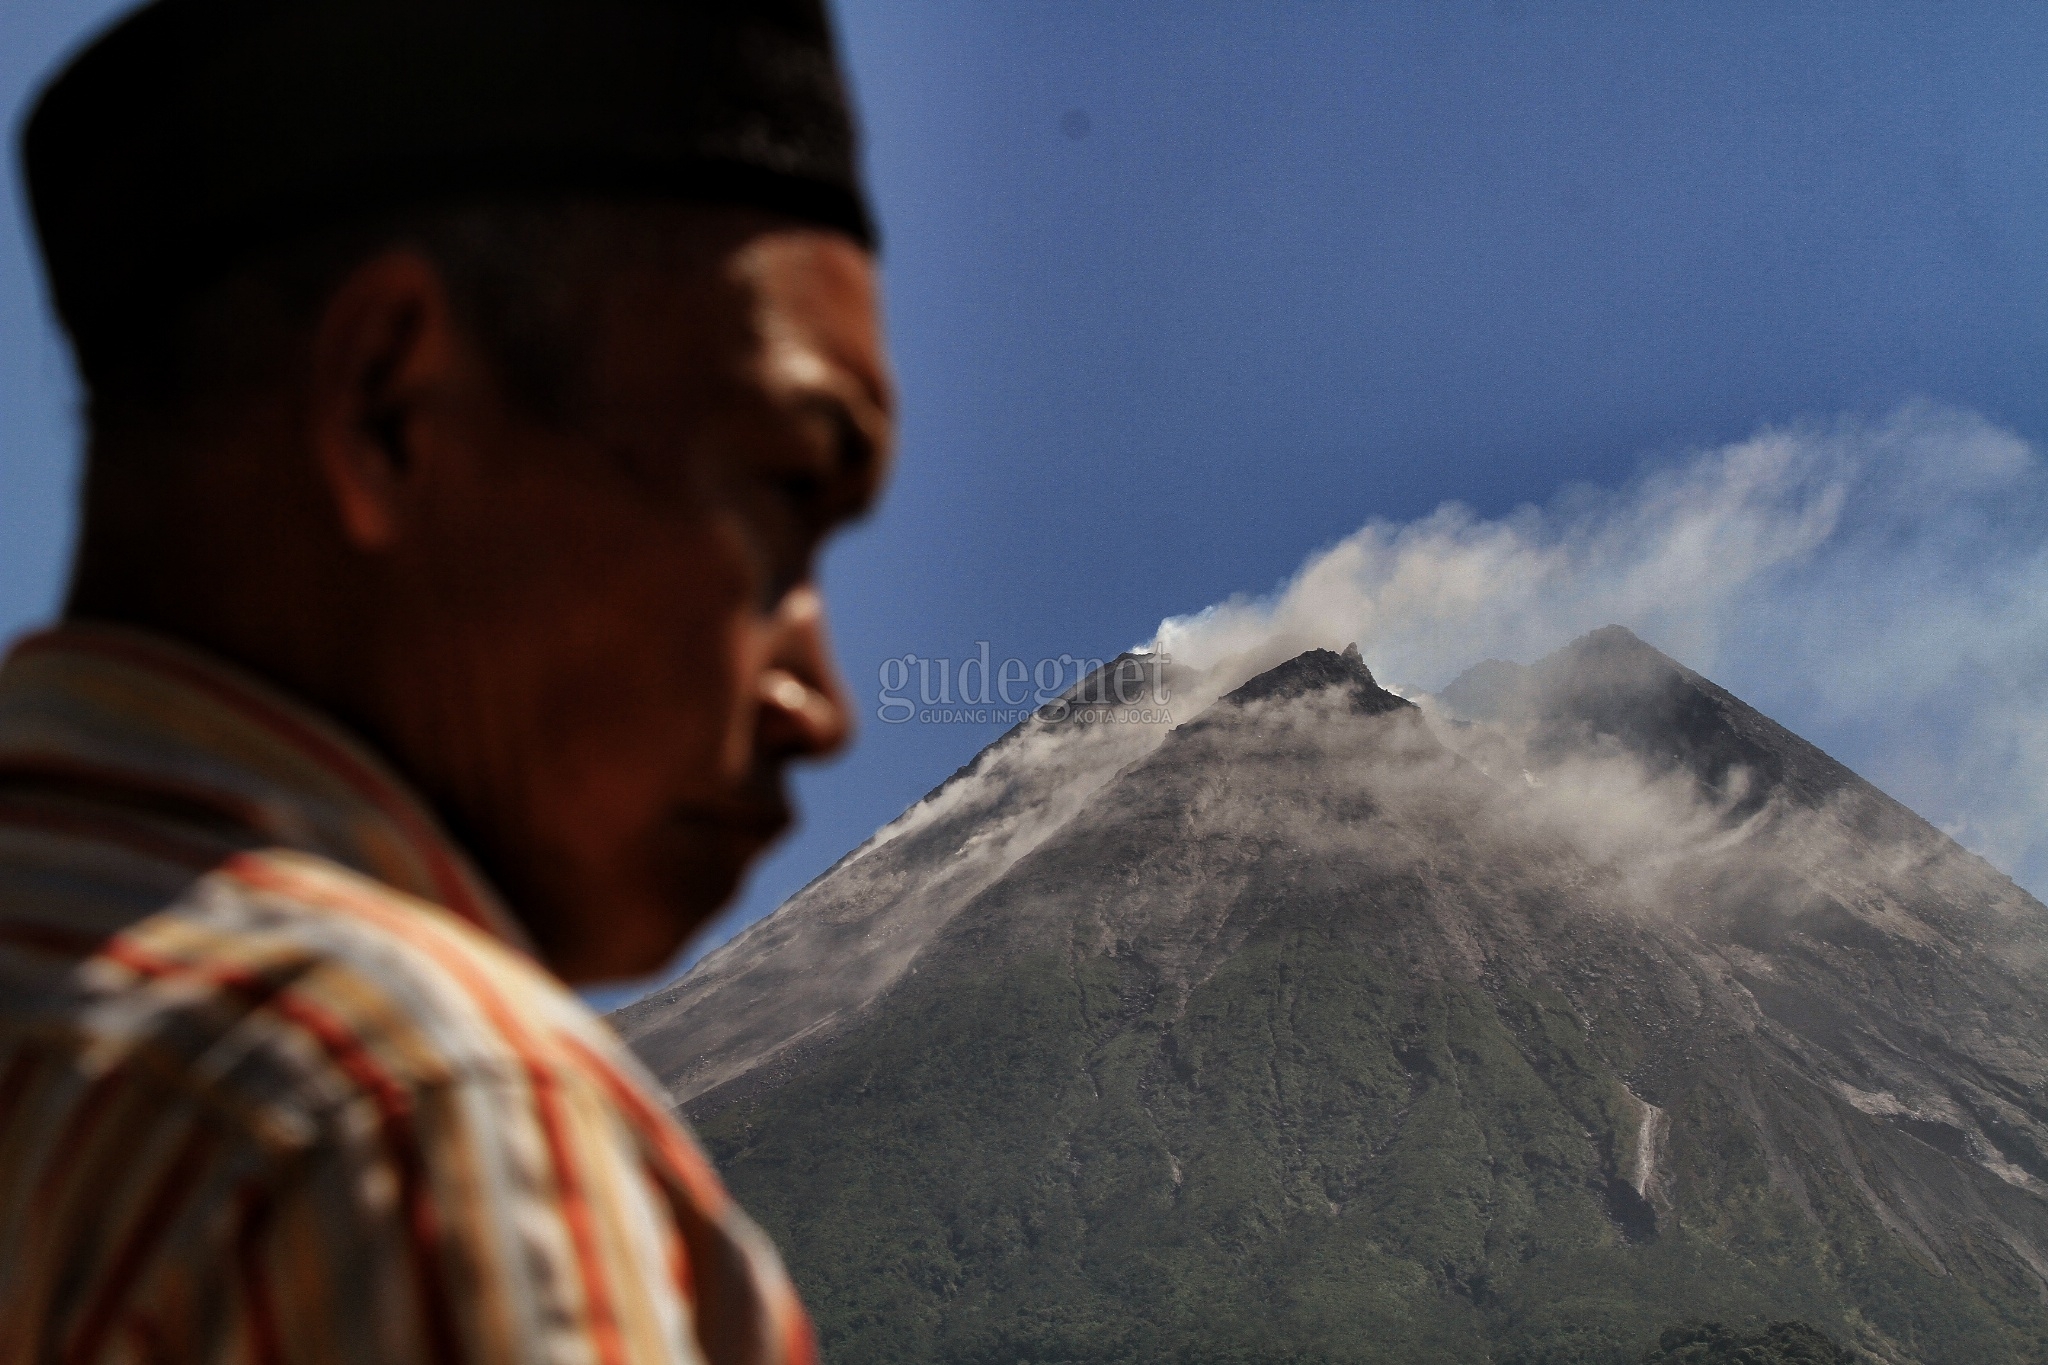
385 359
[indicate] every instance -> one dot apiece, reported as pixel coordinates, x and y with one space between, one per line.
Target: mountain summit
1318 671
1514 1026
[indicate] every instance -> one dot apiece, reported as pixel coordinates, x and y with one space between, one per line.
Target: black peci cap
198 131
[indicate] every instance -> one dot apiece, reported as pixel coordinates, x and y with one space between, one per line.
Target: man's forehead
817 312
775 306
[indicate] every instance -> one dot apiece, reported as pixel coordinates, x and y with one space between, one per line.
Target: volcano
1578 1000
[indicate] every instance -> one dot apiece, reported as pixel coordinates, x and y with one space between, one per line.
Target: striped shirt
278 1082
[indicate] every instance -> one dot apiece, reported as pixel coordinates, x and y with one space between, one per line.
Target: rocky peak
1315 671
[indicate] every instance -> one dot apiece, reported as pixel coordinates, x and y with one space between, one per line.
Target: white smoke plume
1881 587
1878 586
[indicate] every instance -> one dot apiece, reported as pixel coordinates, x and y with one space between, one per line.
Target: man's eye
802 491
790 533
855 452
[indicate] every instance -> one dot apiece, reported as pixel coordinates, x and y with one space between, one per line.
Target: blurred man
471 385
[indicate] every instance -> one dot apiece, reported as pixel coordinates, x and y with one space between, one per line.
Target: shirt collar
125 708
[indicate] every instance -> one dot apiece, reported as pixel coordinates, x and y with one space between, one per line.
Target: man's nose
804 707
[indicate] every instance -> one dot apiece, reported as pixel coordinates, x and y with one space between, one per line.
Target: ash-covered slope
1325 1028
1609 693
766 1002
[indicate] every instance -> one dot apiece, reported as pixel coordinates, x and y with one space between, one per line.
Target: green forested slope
1317 1161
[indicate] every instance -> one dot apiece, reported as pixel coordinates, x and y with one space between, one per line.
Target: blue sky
1182 293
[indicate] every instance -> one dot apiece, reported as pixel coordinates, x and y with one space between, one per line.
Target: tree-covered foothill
1782 1343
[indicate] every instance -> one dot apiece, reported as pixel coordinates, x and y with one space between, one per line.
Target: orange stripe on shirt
701 1213
604 1325
394 1107
686 1163
263 873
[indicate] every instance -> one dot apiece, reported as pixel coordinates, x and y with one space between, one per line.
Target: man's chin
707 867
649 940
634 922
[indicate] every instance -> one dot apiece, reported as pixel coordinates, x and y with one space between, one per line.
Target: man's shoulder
287 989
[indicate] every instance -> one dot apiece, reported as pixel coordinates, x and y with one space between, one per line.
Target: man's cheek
722 708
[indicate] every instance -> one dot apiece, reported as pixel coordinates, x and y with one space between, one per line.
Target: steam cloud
1879 586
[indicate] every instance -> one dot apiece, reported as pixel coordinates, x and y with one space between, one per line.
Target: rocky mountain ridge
1516 1025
